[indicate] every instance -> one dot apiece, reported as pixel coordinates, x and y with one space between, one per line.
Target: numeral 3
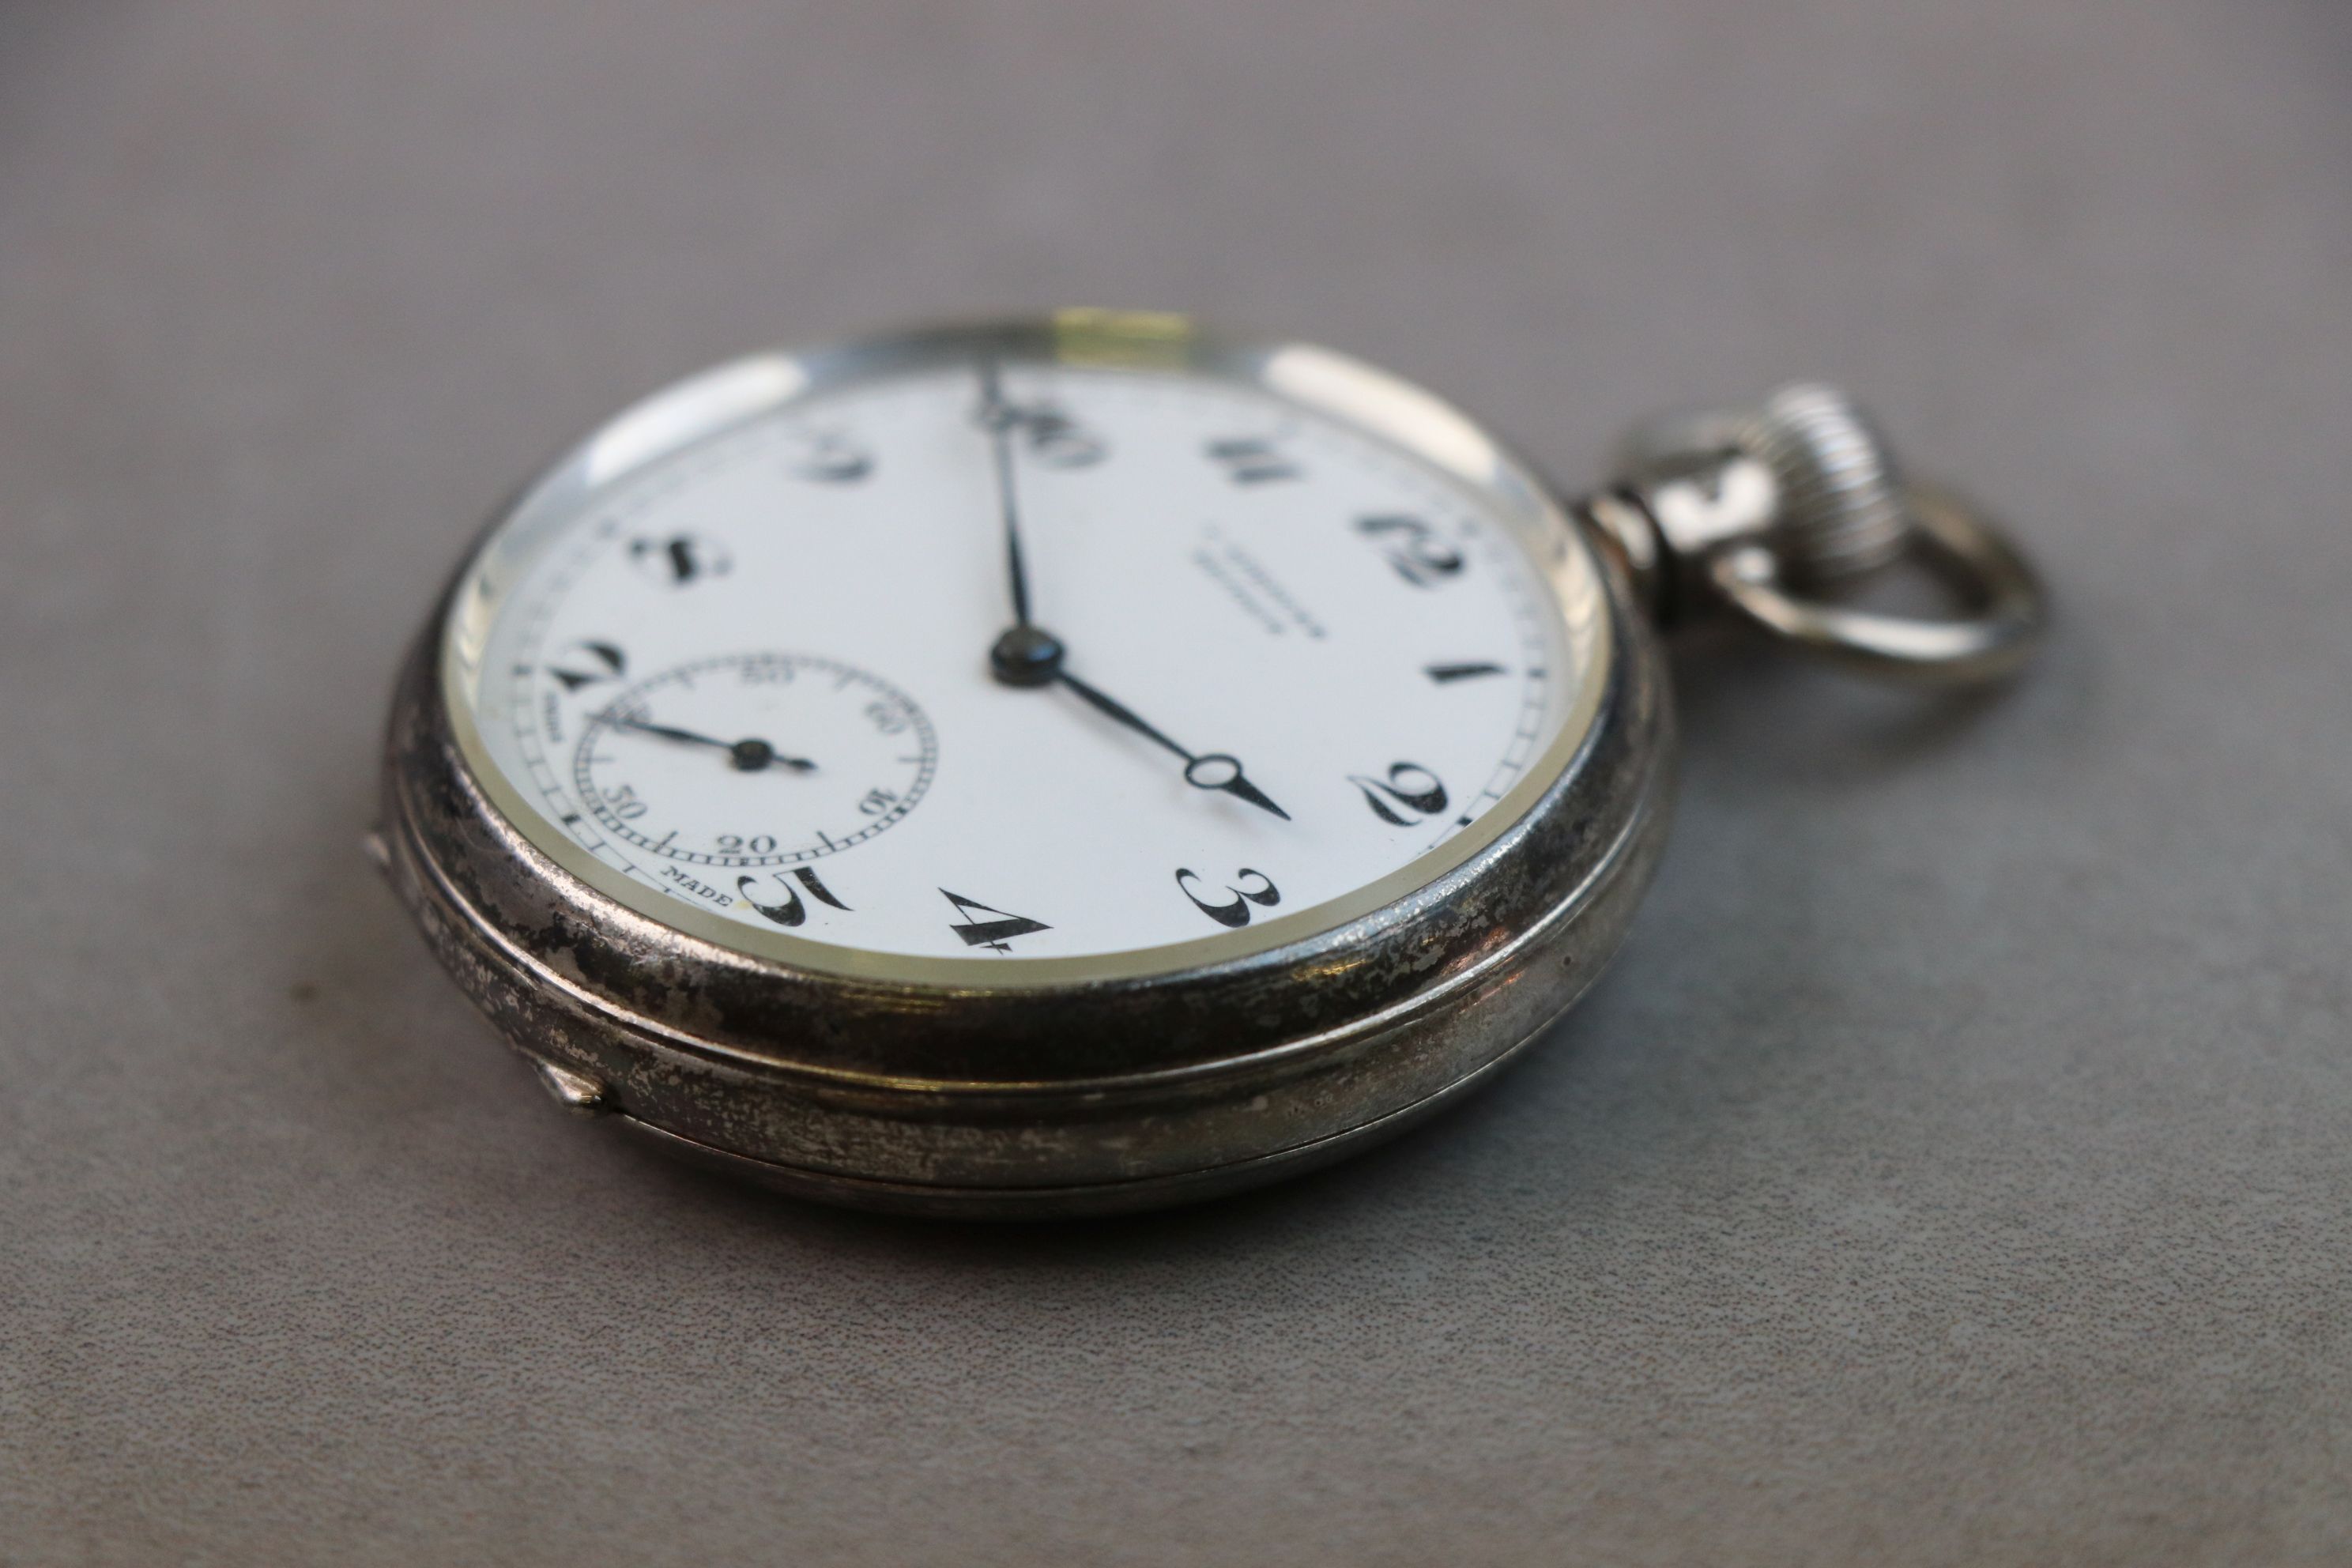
1234 912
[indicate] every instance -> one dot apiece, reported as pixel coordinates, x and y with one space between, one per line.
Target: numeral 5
792 911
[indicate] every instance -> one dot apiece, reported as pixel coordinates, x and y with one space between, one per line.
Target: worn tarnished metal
1119 1094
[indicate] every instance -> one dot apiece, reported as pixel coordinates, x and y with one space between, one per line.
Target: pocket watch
1084 762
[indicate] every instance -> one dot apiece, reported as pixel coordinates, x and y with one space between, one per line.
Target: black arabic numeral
792 911
1412 548
1236 912
604 662
624 803
992 934
1409 787
1251 460
680 559
1447 674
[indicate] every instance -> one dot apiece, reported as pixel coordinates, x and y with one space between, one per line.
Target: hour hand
1219 771
1213 770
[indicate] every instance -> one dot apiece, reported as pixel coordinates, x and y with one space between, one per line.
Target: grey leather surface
1954 1169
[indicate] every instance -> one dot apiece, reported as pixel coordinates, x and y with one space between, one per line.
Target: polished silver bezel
1046 1085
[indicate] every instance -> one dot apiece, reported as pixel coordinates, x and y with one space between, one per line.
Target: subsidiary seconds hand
750 756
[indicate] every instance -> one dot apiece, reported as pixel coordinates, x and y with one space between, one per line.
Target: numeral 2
792 911
1412 548
1409 787
1234 912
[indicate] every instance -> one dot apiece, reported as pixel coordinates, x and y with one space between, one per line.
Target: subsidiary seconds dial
754 759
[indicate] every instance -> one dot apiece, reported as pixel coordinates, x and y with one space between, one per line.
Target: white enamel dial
1273 665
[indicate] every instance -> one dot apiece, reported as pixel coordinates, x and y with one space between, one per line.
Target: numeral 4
992 934
680 559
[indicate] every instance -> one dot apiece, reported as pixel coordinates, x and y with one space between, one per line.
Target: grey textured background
1954 1170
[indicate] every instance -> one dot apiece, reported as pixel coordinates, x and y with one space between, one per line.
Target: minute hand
998 417
1213 770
